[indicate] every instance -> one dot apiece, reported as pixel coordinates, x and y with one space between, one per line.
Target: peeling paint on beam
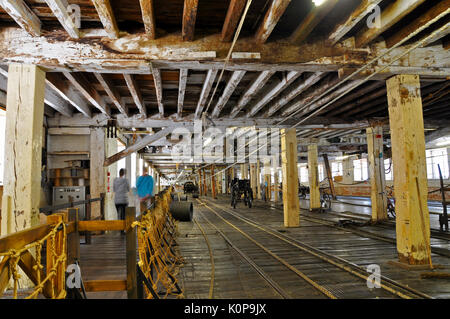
232 18
59 9
229 89
159 90
207 85
148 17
189 17
22 14
135 93
112 93
181 90
273 14
106 15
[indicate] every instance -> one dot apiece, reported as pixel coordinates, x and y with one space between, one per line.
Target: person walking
144 187
121 187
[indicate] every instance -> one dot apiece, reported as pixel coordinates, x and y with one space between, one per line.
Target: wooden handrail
24 237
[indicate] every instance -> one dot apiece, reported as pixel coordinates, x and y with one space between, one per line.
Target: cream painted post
253 180
291 205
376 173
267 178
410 173
348 171
23 148
258 179
313 176
110 174
97 171
275 186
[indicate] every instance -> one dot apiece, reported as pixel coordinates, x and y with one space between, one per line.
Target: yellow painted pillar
23 148
291 205
313 176
376 173
410 174
275 186
267 178
258 179
253 180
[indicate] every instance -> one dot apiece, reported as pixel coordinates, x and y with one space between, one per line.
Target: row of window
435 158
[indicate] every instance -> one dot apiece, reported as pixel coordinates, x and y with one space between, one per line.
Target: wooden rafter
189 17
181 90
295 91
207 85
159 90
273 14
232 19
107 17
357 15
22 14
81 84
273 92
59 9
112 93
148 16
68 93
311 21
251 91
135 93
389 16
232 84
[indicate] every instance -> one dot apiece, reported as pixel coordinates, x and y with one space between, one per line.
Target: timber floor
235 278
104 259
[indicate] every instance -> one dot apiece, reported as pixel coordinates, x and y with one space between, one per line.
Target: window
437 157
2 143
388 169
336 169
303 174
360 170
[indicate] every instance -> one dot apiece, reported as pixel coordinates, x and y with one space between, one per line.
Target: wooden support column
110 174
376 173
313 175
97 172
213 183
329 175
275 186
267 179
253 180
291 205
205 191
200 184
23 148
410 173
258 179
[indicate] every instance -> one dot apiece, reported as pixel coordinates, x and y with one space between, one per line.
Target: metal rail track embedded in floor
387 284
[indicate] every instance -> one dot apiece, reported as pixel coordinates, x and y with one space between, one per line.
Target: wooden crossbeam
112 93
207 85
273 92
435 12
148 16
311 21
232 19
106 15
100 225
232 84
81 84
59 9
357 15
159 90
389 16
273 14
189 17
251 91
137 146
182 90
135 93
439 35
68 93
295 91
308 97
23 15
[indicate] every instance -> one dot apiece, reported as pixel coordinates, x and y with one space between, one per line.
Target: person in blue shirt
144 187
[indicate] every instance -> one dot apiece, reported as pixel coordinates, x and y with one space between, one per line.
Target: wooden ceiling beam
112 93
148 17
232 18
435 12
271 18
159 90
251 91
287 80
357 15
207 85
86 89
389 16
136 94
23 15
106 15
232 84
181 90
68 93
189 17
294 92
59 9
311 21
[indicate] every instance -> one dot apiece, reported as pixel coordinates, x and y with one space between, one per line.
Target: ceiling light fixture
318 2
